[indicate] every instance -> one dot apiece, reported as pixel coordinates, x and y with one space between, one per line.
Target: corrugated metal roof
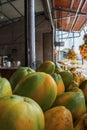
13 10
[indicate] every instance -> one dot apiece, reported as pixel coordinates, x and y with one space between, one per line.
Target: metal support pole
53 39
30 33
73 42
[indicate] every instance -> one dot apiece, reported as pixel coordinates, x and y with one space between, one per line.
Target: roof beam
76 15
15 7
69 11
48 12
6 23
5 2
6 16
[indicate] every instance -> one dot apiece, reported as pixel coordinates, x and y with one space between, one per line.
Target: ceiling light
1 17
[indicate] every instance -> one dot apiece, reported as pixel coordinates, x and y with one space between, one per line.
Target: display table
7 72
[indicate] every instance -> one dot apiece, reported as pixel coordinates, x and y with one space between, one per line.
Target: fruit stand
52 96
48 94
74 64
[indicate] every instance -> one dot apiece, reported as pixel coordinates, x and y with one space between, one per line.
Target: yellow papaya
58 118
5 87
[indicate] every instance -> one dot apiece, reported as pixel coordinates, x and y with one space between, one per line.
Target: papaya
81 124
67 78
58 118
76 89
47 67
59 82
74 101
72 85
19 74
83 86
58 68
78 78
39 86
5 87
20 113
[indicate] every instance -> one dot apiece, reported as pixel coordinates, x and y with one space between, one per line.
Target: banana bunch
71 55
83 51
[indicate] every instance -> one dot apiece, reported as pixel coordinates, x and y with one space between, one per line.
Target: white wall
70 41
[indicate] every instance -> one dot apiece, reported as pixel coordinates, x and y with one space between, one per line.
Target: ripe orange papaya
58 118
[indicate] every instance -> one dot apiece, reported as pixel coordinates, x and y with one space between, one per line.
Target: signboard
59 43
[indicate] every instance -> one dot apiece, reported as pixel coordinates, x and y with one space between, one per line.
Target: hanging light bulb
1 17
68 20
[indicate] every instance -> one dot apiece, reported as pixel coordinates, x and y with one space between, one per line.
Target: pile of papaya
48 98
